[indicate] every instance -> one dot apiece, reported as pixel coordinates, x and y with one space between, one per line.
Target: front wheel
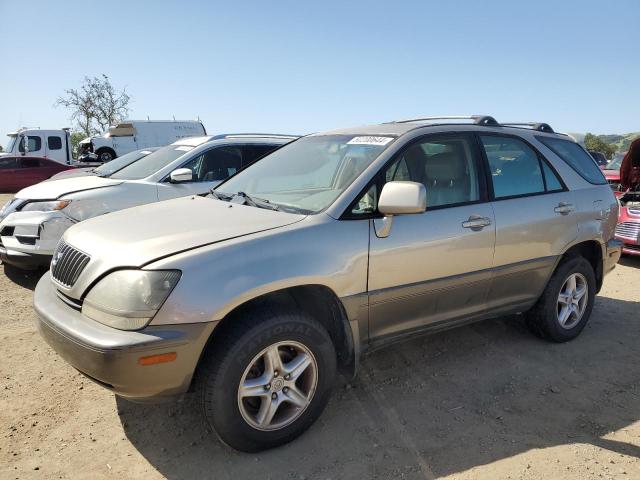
565 306
267 379
105 155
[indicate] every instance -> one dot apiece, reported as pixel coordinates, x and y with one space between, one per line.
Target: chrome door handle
564 208
476 222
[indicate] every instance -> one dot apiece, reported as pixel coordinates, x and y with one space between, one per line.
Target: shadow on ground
630 261
24 278
433 406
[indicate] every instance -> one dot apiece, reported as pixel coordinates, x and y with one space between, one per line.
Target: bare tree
96 104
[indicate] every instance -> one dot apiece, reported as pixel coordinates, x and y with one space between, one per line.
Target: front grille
629 230
67 264
634 248
634 210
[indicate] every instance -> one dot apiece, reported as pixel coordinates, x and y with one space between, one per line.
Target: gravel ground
486 401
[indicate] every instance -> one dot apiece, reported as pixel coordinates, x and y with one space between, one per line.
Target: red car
17 173
628 228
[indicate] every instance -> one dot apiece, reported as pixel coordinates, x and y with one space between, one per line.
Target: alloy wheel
572 300
278 385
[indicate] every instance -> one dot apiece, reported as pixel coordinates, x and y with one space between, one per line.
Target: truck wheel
565 306
105 155
267 379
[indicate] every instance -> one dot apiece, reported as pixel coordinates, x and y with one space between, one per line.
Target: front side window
153 162
54 143
35 144
29 162
446 166
309 174
576 157
8 163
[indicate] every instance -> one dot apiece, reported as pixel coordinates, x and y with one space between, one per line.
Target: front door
209 169
436 266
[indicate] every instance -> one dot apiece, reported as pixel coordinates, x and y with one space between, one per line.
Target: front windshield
10 144
616 163
119 163
307 175
152 163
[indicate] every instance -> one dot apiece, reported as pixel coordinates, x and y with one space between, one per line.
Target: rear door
31 171
535 219
433 267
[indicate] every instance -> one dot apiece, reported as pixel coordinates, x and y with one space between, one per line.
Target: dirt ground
487 401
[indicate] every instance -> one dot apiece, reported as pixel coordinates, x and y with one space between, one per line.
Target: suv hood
137 236
630 167
56 188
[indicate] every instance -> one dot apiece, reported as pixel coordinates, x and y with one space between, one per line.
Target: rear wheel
268 379
105 155
565 306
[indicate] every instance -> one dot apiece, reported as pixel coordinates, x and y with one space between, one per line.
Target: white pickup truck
133 135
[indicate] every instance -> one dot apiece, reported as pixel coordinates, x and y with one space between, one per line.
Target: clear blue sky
297 67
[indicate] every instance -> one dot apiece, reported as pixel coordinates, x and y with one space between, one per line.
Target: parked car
33 142
106 169
257 294
17 173
612 171
32 223
599 157
628 229
132 135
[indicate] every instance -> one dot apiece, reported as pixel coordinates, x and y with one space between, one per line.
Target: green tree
76 138
593 142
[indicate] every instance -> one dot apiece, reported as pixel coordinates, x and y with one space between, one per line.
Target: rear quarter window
577 158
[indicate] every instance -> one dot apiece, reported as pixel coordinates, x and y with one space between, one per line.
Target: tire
237 356
105 155
545 319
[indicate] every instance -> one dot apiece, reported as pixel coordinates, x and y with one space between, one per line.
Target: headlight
128 299
48 206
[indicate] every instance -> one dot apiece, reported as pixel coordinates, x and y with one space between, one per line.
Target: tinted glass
6 163
307 175
29 162
119 163
576 157
515 167
553 182
54 143
152 163
215 165
251 153
35 144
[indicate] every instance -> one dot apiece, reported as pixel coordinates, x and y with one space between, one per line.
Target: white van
33 142
133 135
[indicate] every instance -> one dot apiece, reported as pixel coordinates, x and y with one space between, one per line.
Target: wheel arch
592 251
318 301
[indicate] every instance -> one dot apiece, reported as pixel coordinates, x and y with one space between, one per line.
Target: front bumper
110 357
28 239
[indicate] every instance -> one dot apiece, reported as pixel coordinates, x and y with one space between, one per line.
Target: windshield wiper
254 201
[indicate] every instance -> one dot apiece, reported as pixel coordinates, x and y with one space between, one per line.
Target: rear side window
54 143
517 169
576 157
251 153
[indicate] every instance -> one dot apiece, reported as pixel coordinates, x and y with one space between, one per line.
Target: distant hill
621 142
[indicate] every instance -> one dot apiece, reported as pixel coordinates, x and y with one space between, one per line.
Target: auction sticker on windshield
369 140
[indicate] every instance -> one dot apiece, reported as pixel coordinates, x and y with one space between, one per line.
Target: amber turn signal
155 359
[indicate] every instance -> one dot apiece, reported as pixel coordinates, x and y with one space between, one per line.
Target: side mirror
401 198
181 175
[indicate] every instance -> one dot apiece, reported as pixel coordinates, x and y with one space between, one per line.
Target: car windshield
307 175
11 143
119 163
615 163
152 163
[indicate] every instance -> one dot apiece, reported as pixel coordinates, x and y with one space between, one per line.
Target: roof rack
254 135
485 120
540 127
